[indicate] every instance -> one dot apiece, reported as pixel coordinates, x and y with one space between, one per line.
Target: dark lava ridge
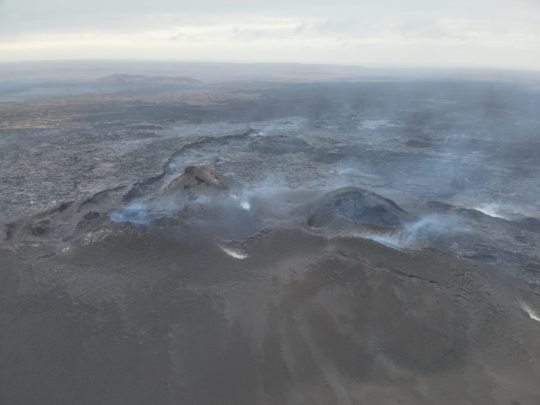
357 204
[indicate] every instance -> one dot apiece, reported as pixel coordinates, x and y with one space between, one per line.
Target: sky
371 33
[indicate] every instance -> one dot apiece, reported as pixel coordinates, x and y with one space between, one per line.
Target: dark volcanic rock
529 224
278 145
197 178
66 220
357 204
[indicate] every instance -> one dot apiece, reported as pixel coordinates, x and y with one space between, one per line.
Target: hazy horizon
213 72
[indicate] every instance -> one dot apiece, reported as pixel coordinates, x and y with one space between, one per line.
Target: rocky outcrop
359 205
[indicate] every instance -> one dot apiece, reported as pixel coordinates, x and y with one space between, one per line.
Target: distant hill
124 78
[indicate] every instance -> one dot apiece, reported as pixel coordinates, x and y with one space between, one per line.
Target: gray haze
418 33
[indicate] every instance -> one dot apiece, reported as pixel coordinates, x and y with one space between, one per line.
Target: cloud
55 14
495 33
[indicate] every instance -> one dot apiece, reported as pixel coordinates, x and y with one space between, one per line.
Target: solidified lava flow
254 252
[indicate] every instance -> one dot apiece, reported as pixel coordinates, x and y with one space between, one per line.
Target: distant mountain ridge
126 78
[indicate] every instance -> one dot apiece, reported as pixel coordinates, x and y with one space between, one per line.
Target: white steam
135 212
144 213
245 205
491 209
532 314
415 234
234 252
504 211
270 128
243 199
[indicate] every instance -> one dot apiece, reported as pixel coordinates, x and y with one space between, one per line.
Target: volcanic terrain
179 242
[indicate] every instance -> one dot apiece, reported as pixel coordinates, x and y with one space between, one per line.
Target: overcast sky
372 33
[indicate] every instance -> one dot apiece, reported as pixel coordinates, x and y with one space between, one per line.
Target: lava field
368 242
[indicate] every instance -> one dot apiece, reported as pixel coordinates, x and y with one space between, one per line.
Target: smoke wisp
417 234
527 308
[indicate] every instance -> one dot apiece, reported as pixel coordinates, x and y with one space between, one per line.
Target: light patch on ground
243 199
245 205
97 236
374 124
504 211
490 209
234 252
526 307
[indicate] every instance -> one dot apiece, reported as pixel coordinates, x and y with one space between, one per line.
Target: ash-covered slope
223 294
